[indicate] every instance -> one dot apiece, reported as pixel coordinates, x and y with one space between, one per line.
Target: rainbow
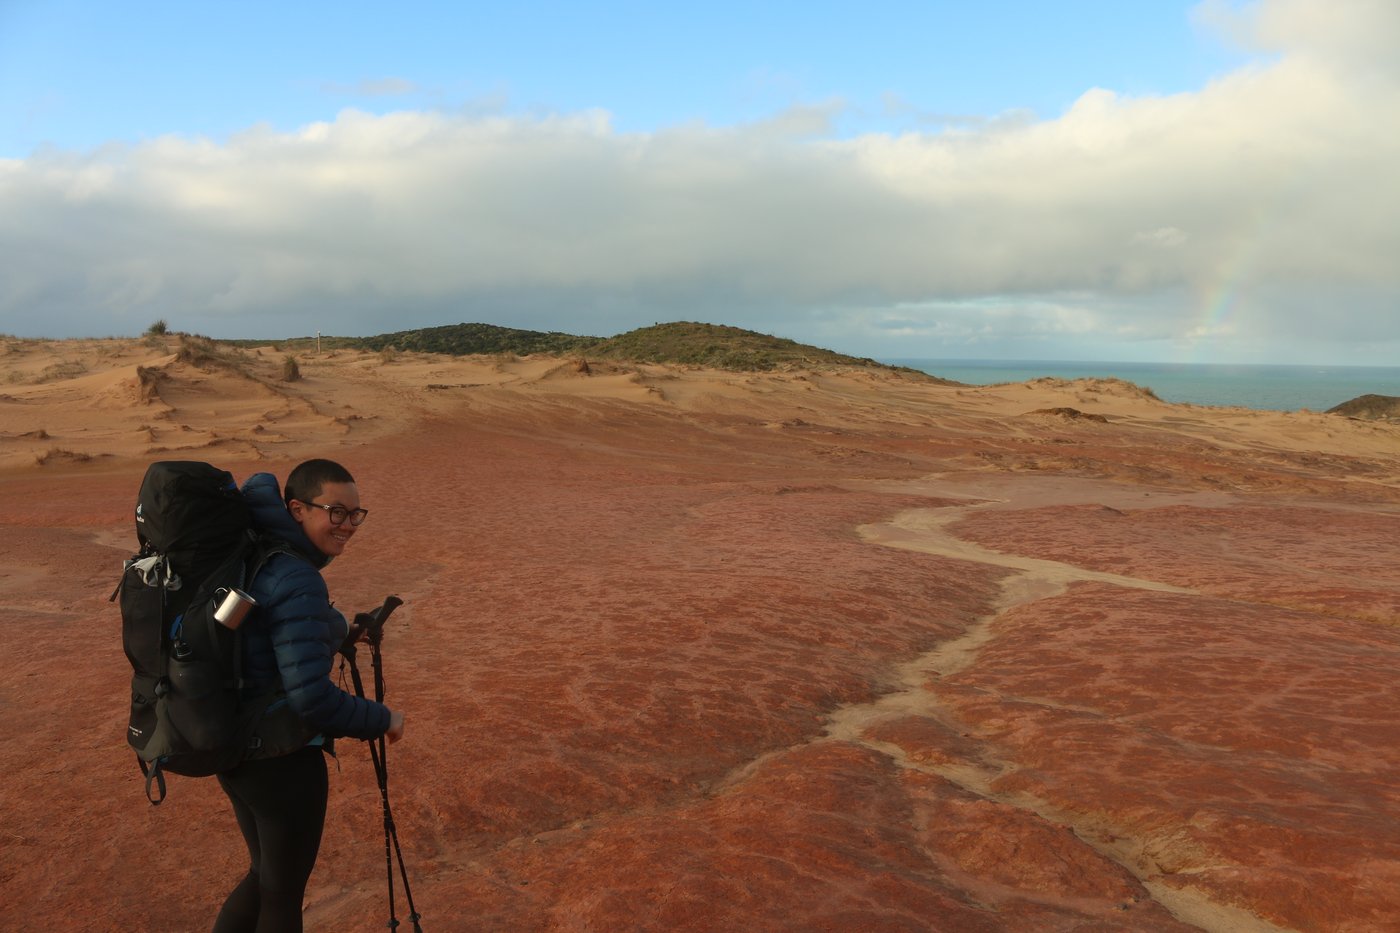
1226 291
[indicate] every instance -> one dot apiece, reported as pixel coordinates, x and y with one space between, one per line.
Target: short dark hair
307 479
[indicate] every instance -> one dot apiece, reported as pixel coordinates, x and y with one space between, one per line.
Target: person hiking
291 640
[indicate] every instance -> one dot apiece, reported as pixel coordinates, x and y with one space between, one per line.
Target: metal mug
234 609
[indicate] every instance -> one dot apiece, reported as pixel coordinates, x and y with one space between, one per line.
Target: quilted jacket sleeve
305 631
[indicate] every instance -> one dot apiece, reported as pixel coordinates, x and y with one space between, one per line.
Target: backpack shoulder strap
264 547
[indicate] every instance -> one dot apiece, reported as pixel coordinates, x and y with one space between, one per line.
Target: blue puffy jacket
295 633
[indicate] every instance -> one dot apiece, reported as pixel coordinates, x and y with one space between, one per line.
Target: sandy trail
927 531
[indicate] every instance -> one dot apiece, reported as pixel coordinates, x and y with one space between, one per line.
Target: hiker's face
329 539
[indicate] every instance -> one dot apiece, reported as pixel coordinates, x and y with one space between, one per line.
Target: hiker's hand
356 633
395 726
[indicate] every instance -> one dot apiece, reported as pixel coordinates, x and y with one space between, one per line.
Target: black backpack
191 712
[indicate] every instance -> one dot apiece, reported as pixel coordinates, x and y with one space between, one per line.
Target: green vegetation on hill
452 339
467 339
1369 408
717 346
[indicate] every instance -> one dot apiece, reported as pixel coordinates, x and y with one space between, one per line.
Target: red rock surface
705 670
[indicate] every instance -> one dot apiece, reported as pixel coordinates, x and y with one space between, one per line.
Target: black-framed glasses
340 513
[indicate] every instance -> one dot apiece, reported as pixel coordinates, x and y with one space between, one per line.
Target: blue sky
1071 180
79 74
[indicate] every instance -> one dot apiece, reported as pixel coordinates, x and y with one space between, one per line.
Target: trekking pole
380 779
373 623
376 637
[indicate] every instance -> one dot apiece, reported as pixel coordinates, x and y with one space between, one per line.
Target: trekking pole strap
154 775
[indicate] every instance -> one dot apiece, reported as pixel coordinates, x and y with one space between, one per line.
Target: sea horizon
1263 386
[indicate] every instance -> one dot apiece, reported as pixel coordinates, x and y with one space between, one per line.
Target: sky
1067 180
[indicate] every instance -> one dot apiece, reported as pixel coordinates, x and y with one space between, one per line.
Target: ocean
1274 388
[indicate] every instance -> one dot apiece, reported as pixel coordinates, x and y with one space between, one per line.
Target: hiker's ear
297 509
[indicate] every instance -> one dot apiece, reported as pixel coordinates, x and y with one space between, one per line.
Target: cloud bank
1252 219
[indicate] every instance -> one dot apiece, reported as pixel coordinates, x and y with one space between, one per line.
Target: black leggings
280 804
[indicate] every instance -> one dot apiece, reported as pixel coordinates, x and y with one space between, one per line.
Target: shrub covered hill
716 346
1370 408
468 339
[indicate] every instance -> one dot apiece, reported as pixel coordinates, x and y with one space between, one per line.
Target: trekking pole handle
381 615
373 622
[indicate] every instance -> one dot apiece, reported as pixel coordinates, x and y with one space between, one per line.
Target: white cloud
1276 181
1353 35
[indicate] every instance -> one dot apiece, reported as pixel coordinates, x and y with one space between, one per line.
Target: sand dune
693 650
